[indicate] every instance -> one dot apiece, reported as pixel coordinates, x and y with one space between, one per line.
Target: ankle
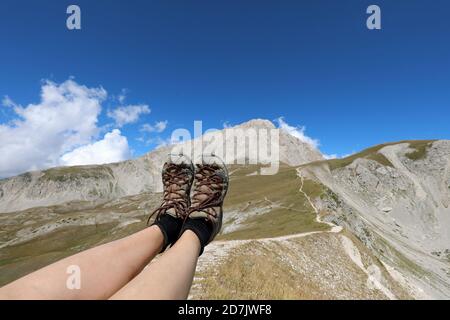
189 236
170 228
201 228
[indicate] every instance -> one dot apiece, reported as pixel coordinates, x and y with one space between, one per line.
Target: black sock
201 227
170 228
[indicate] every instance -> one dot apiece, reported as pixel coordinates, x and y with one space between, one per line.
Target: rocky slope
272 231
102 183
395 198
375 225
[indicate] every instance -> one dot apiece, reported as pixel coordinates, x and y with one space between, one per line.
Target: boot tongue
172 212
203 214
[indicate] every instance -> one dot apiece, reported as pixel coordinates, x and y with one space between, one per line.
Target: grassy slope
290 212
312 267
64 174
23 258
419 151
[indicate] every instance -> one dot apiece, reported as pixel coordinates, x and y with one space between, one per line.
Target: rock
420 198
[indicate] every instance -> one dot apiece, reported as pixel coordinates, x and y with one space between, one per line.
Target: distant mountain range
374 225
105 182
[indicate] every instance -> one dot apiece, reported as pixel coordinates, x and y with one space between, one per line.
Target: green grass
22 258
63 174
247 275
381 159
19 260
295 214
420 149
372 153
401 261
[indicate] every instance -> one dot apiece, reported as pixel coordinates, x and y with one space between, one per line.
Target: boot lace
175 196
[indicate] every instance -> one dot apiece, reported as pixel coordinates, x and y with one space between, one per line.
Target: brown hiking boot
210 188
177 178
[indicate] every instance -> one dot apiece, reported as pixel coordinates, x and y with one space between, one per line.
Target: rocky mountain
100 183
395 198
374 225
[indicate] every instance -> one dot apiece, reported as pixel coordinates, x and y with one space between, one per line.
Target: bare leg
103 270
170 277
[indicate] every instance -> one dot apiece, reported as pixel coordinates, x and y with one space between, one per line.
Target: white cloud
337 156
7 102
226 125
298 132
121 98
157 140
162 142
159 127
330 156
65 118
128 114
112 148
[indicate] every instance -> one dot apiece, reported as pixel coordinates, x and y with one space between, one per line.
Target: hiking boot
206 211
177 178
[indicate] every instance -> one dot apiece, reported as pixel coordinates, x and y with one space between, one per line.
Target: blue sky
312 62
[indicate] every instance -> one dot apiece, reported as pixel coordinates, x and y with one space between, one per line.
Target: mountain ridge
395 198
100 183
375 223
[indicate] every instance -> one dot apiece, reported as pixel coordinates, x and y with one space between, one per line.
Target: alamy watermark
253 146
374 20
73 281
73 21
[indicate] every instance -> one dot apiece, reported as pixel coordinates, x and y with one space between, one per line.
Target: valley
374 225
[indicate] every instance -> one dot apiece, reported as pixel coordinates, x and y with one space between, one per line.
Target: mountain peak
130 177
257 124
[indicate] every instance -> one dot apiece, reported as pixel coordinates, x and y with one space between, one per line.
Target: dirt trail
218 251
334 228
373 272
